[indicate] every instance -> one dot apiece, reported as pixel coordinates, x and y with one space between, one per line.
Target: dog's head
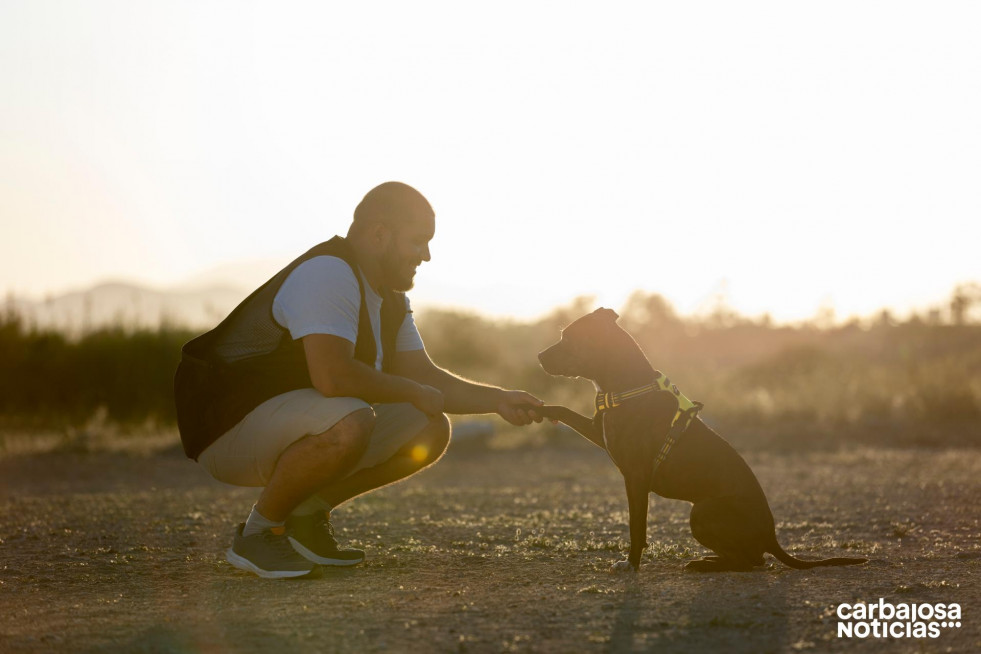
579 351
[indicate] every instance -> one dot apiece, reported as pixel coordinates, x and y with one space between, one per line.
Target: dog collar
687 410
605 401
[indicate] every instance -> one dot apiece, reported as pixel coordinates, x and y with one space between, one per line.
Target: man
318 388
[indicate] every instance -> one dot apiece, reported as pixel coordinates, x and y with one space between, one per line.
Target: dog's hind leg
725 526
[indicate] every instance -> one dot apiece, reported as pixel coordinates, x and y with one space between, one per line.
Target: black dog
652 433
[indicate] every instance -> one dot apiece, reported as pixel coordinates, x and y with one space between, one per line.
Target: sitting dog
654 436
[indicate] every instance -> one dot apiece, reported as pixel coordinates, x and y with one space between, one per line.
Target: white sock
257 522
311 505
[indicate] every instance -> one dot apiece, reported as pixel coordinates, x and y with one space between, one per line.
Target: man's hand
517 407
429 400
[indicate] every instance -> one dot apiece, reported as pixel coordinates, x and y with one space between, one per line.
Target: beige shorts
247 453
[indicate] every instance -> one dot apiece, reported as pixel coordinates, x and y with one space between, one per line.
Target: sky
785 156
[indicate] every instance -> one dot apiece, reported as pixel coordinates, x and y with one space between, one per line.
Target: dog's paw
622 566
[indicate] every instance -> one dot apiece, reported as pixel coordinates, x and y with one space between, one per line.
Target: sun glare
694 153
419 453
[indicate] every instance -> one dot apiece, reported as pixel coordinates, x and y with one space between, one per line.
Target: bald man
318 388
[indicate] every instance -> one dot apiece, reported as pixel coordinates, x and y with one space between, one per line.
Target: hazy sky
790 154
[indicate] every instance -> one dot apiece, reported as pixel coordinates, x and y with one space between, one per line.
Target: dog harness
687 410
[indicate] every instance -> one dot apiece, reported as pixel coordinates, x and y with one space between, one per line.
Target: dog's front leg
638 494
585 426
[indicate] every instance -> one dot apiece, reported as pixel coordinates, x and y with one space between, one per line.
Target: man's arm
336 373
463 396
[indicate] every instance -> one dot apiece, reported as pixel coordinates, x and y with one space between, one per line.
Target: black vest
249 358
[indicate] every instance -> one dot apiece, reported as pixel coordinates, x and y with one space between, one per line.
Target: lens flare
419 453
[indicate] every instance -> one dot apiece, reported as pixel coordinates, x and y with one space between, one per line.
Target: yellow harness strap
687 410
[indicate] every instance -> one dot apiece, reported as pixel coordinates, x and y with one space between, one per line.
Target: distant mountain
245 273
130 306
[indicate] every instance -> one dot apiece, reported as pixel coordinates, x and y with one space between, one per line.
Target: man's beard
396 272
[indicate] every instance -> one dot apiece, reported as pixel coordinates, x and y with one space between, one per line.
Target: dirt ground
494 549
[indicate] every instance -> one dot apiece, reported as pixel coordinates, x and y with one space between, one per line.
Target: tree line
878 381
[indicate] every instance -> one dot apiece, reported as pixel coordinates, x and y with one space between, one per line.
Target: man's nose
425 252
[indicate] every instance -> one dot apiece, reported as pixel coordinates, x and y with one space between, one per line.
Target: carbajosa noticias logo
883 619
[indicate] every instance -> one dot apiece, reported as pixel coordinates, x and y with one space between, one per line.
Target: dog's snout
548 359
547 354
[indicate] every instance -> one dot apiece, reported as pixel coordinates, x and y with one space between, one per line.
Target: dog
654 436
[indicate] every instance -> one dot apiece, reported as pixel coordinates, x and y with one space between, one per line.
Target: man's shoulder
324 268
319 276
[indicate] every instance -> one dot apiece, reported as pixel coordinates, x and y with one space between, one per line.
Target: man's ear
379 235
609 314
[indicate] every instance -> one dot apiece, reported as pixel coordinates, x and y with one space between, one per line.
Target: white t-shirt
321 296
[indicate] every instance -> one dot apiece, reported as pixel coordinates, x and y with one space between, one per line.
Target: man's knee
350 436
434 438
441 428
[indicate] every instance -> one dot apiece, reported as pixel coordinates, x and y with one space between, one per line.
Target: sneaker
313 537
269 555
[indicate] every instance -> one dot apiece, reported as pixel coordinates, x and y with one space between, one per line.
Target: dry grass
491 550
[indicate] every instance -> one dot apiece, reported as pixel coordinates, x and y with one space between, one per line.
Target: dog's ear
609 314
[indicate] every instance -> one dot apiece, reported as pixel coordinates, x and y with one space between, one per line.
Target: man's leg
290 445
421 451
311 462
263 545
403 442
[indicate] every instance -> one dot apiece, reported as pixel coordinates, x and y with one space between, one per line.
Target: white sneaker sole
310 556
244 564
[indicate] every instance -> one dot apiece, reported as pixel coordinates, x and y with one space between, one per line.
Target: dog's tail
801 564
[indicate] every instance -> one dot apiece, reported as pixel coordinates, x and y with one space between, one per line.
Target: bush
762 385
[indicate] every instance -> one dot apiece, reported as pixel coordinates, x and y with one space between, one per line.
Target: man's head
394 224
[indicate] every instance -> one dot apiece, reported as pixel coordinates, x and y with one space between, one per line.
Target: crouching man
317 388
